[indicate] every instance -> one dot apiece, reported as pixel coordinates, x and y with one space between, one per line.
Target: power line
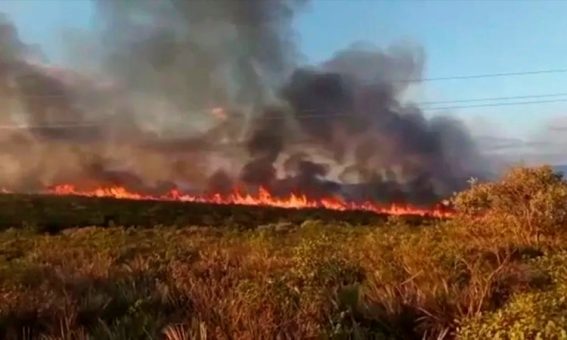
305 113
487 75
303 116
410 80
491 99
432 109
425 103
495 105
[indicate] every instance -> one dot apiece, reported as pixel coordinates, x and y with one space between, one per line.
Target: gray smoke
180 90
196 55
349 108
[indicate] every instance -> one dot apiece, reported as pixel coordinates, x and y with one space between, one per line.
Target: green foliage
318 260
497 270
528 315
529 201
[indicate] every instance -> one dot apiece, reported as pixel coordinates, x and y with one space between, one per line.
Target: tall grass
480 275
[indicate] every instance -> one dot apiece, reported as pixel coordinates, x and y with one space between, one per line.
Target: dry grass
386 281
176 283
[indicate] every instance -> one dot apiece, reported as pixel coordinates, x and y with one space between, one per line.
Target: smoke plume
207 96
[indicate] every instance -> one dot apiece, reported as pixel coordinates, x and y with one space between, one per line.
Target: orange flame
263 198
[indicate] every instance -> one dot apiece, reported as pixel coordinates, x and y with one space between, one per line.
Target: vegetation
54 213
498 270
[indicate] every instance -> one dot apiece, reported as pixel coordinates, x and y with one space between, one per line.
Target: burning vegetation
153 269
210 102
263 198
211 98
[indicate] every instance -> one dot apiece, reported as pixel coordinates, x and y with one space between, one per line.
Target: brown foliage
528 202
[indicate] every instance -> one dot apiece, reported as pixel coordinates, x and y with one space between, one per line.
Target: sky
459 38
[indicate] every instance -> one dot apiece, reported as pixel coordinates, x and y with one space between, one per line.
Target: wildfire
263 198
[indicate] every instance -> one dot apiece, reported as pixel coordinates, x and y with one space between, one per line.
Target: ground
489 272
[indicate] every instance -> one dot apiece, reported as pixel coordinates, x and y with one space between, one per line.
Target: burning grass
263 198
386 278
52 213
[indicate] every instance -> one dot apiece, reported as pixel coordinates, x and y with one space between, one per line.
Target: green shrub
527 202
497 270
529 315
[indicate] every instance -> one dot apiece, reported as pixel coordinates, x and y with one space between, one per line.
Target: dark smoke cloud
208 96
350 106
27 93
196 55
168 63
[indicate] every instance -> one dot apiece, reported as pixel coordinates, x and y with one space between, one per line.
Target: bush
530 315
529 202
478 276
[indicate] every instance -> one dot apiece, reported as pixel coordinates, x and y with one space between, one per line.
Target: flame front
263 198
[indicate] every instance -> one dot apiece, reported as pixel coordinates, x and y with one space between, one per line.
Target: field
53 213
79 268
